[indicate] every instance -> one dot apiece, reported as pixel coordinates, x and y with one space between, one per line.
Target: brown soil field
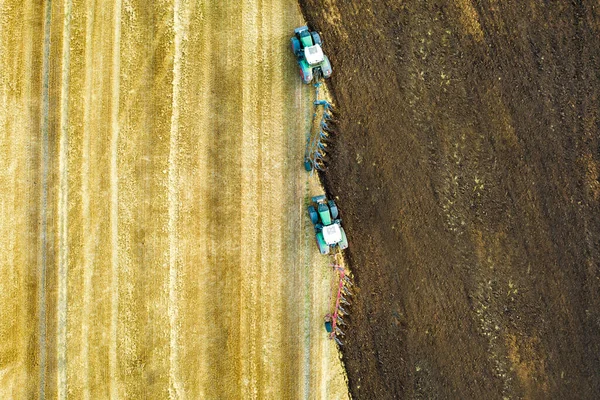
467 163
154 241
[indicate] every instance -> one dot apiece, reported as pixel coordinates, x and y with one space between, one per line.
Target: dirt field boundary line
44 198
175 387
63 211
114 200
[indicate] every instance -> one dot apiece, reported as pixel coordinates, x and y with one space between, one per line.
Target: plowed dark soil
466 166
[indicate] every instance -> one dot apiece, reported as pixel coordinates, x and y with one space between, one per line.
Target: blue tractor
328 227
307 48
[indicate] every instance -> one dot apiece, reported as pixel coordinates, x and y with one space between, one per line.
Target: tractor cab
314 54
332 234
328 227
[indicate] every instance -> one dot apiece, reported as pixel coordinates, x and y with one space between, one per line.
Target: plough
341 284
315 142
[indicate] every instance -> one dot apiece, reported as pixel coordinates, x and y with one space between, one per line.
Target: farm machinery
328 227
313 64
314 153
331 239
306 46
323 213
341 292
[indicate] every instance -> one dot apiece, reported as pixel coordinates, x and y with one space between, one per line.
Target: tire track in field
307 263
63 209
269 331
250 212
205 49
175 386
305 356
34 34
224 203
149 237
277 210
15 247
88 254
43 223
114 197
178 270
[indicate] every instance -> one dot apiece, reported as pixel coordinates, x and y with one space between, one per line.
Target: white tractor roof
332 234
313 54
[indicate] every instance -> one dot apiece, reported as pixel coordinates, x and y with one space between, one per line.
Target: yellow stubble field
153 236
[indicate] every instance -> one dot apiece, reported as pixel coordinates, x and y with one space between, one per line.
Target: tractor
328 227
306 45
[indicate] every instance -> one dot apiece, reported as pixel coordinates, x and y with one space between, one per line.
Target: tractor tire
328 326
308 165
295 45
316 38
305 71
344 243
326 67
333 209
314 216
323 247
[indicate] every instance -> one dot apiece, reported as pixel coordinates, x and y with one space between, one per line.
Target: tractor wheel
328 326
306 75
308 165
333 209
305 71
295 45
323 247
344 243
312 213
316 38
326 67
